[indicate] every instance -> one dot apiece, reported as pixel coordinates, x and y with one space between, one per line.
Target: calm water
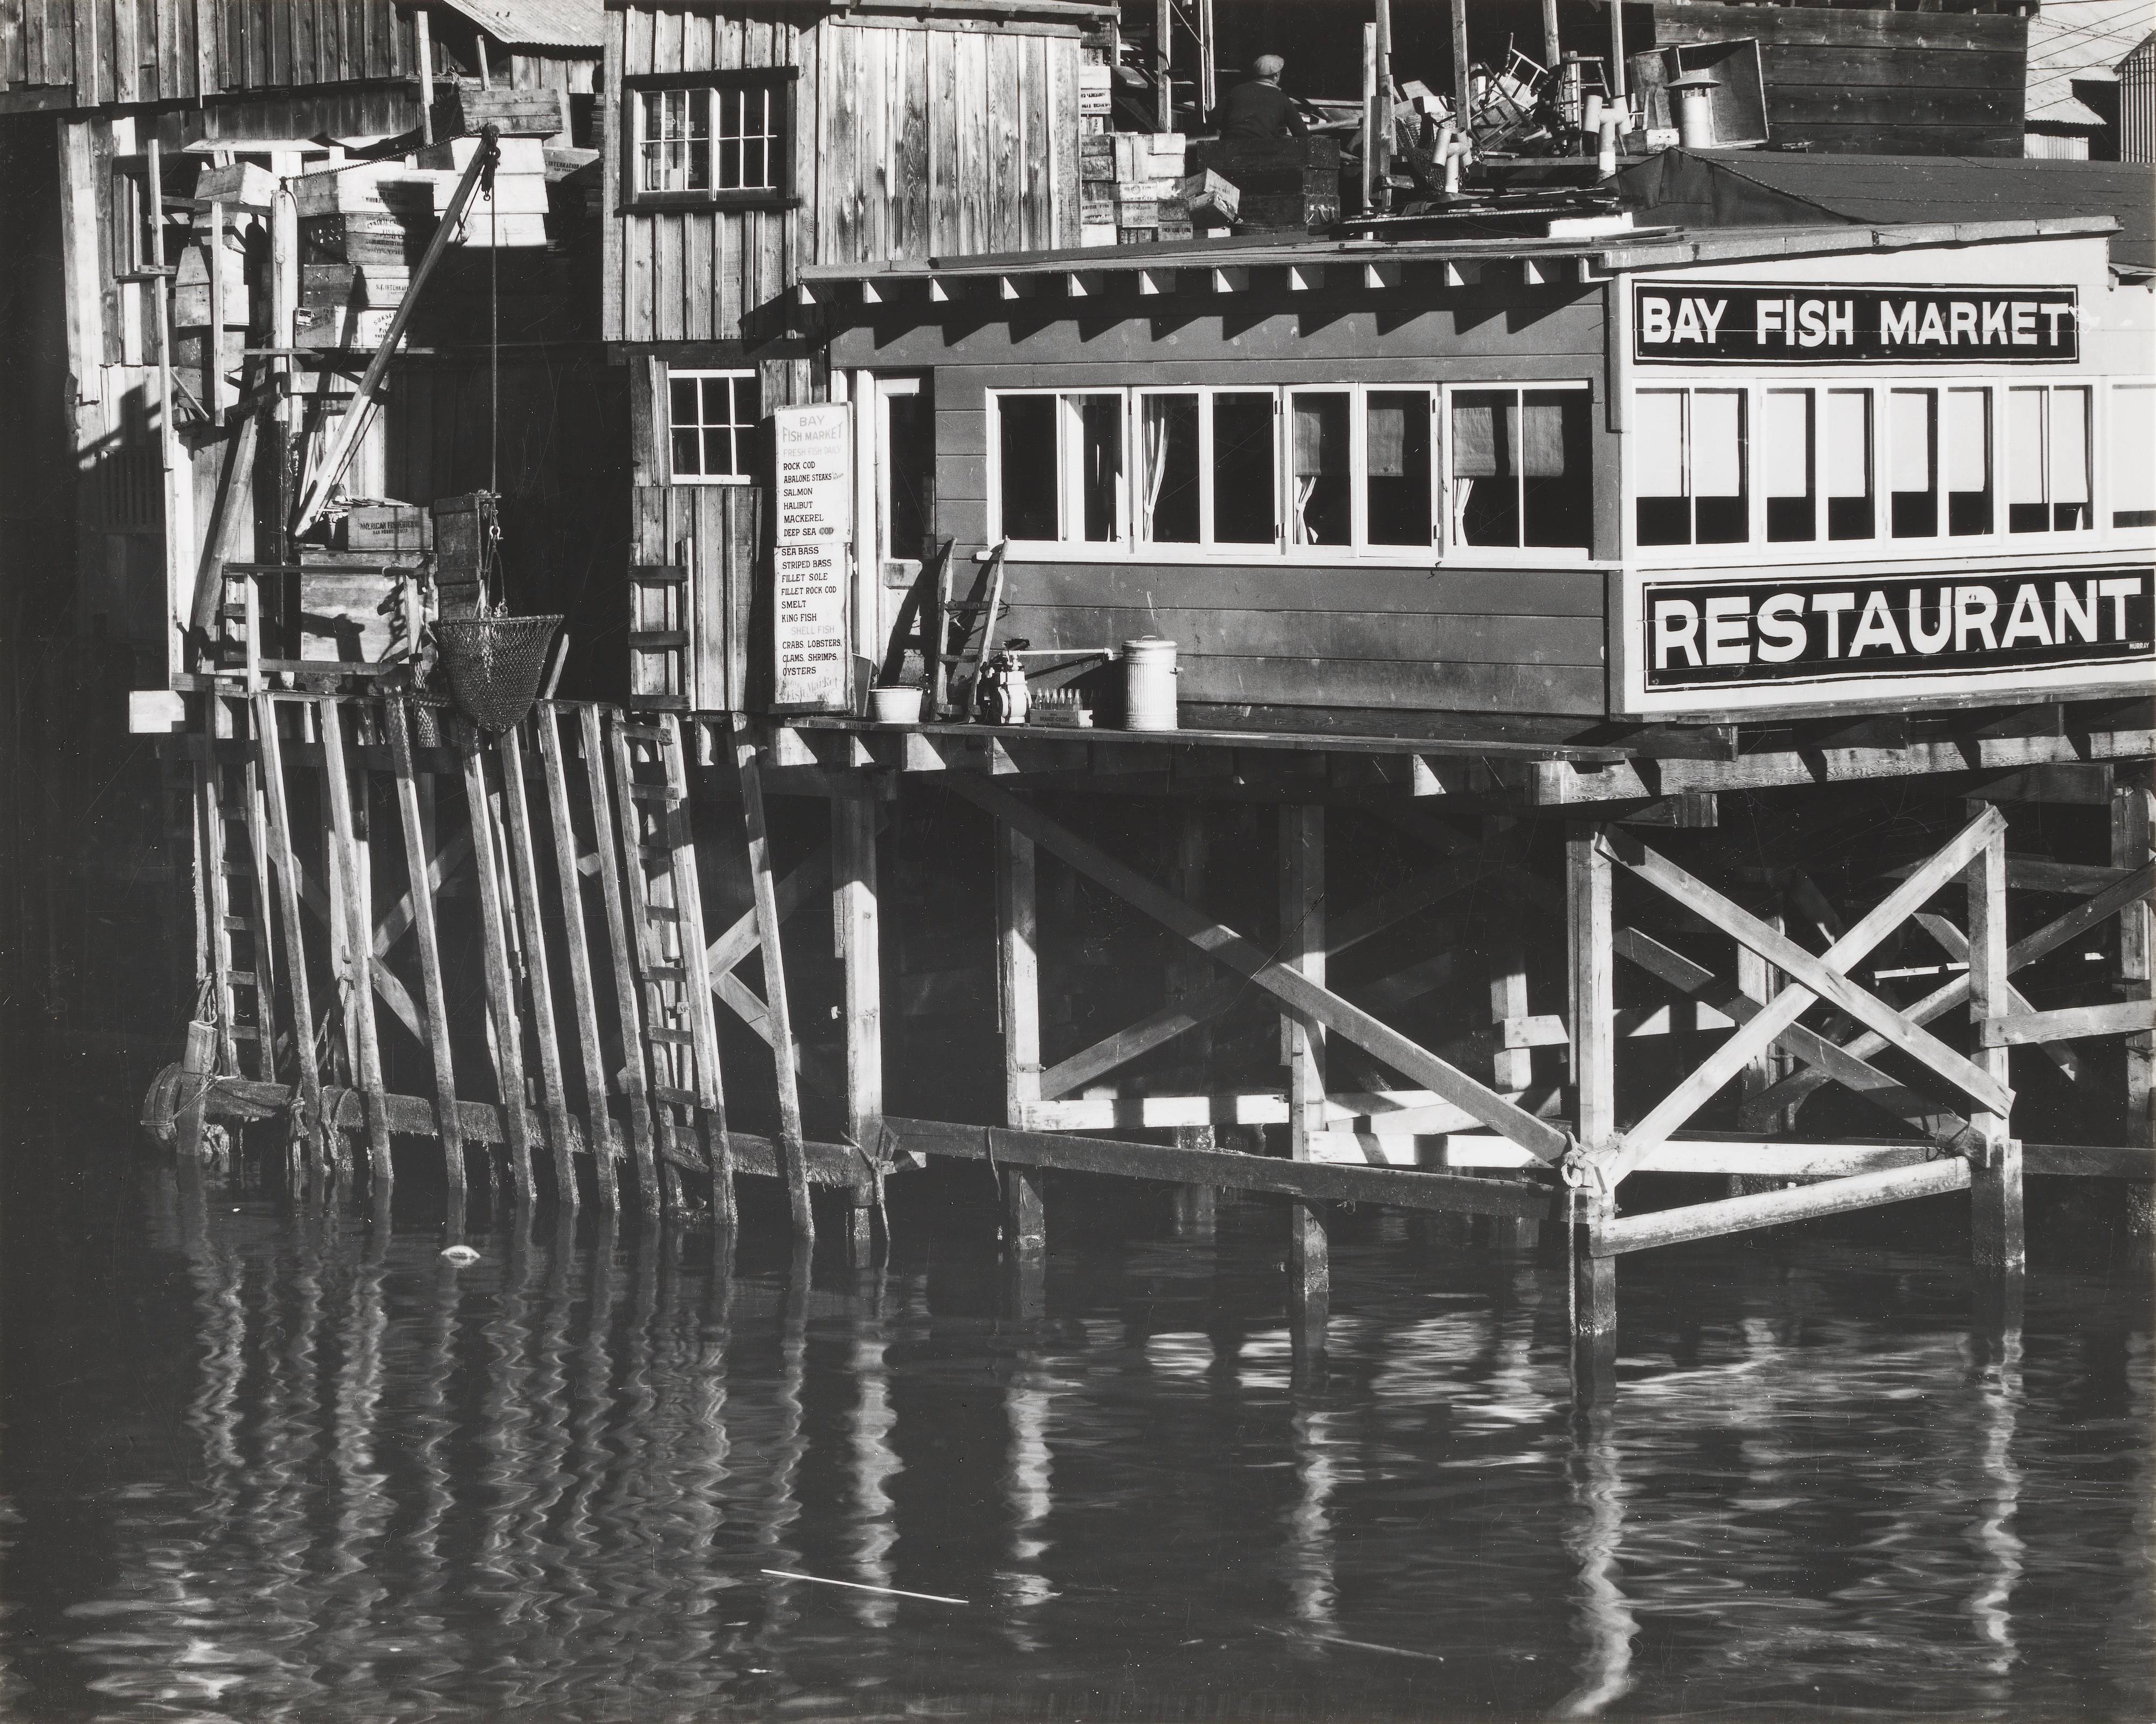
264 1462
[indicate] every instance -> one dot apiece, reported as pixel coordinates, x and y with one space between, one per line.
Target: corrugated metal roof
2079 39
1748 188
536 23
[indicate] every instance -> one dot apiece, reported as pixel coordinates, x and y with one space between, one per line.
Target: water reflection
553 1483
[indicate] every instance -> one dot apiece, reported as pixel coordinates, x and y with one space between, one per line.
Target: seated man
1259 109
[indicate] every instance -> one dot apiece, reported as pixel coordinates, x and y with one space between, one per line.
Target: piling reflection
550 1484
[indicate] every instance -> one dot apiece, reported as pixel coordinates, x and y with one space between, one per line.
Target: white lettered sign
812 448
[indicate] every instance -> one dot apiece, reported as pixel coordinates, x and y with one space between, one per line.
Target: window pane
719 453
2133 455
1557 491
1167 483
1100 464
2070 460
1845 446
688 453
2027 509
908 431
1485 475
1243 469
1914 505
1397 497
681 399
1716 449
1319 504
1658 444
1965 453
748 400
1785 465
1027 446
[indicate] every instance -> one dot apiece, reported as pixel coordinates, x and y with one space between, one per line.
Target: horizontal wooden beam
2126 1017
1775 1208
1229 1170
244 1101
1764 1158
1412 1109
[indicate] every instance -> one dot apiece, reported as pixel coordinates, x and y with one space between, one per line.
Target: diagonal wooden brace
1296 991
1810 977
1364 922
2132 889
732 948
1955 944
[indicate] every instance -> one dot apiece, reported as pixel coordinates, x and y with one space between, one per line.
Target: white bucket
894 706
1149 673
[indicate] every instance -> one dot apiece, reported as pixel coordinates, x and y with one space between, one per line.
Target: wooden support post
600 1118
1462 92
685 882
357 896
256 815
433 1001
271 746
209 813
605 840
1995 1191
2131 809
1303 949
855 934
1163 60
1590 931
1511 1069
523 857
501 984
1018 976
1188 975
792 1151
1759 980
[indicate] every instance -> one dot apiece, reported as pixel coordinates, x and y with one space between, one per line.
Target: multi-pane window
720 140
1352 468
1797 465
1690 467
2046 459
711 421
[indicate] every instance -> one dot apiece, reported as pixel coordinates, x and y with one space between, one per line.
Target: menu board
813 447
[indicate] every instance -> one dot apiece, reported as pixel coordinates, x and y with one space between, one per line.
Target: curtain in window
1542 438
1155 427
2132 455
2070 449
1658 440
1477 427
1387 434
1785 443
1845 445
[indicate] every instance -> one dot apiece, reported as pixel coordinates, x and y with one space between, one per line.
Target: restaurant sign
1706 323
1713 633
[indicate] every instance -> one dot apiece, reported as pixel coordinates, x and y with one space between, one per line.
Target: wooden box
515 113
400 529
519 154
240 185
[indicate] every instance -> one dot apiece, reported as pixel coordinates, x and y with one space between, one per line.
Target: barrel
1149 684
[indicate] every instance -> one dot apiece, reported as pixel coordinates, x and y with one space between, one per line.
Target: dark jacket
1258 110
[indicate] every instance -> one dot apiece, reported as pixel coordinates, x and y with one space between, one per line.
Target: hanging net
494 665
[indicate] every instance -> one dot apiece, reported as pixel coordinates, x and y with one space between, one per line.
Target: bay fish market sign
1715 633
1769 325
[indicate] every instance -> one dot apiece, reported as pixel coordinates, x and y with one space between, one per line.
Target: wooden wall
83 53
1868 81
909 140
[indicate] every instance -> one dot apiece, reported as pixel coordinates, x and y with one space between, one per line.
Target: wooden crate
515 113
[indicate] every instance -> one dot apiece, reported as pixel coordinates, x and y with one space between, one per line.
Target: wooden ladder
233 834
680 1027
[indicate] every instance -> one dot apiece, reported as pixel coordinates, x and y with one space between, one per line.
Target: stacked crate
1132 190
1289 184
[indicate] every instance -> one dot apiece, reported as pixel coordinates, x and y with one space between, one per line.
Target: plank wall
1872 81
82 53
1274 633
912 138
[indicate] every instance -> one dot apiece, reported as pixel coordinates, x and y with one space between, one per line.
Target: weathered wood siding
1872 81
81 53
909 140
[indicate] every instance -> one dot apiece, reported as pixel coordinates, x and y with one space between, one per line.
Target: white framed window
711 423
1690 486
2043 455
1311 472
2132 465
710 138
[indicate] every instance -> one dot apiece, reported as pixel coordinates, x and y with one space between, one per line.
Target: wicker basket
494 665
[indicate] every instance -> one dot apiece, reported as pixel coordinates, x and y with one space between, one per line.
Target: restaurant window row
1358 468
1796 465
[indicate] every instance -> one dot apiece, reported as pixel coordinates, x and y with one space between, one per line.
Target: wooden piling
255 813
1189 974
1303 949
2132 806
1590 936
553 1093
501 983
210 808
685 881
433 999
1996 1224
625 979
271 748
857 935
355 897
766 888
583 996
